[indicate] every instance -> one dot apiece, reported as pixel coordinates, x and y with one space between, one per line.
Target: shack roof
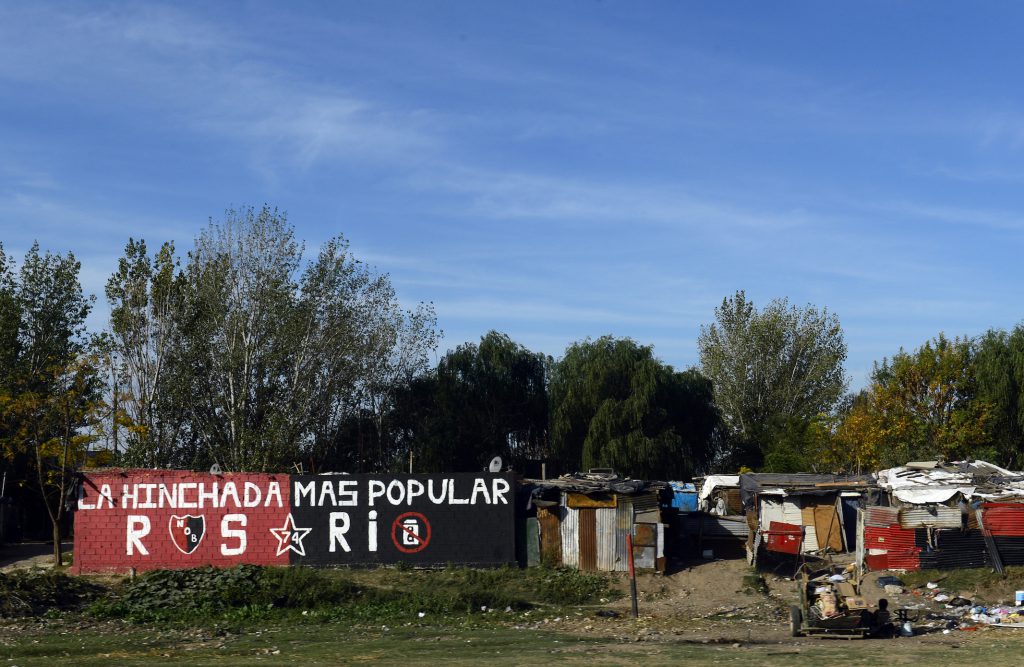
801 483
926 482
590 483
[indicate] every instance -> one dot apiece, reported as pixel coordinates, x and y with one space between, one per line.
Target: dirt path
29 554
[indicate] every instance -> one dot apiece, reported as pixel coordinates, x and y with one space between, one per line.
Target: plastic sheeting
918 485
711 482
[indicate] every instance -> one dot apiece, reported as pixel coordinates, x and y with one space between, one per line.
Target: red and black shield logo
187 532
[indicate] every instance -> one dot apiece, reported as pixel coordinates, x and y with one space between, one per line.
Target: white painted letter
376 490
82 505
308 490
274 490
499 490
371 533
252 495
415 489
479 486
138 527
227 532
338 531
347 497
395 484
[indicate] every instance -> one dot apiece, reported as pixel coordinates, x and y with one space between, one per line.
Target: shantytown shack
937 515
583 520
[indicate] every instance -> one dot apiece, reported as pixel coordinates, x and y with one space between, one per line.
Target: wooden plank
550 536
580 500
828 528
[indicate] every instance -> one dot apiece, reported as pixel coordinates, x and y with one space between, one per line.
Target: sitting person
878 622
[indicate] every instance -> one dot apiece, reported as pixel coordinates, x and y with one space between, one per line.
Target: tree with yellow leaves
49 389
919 405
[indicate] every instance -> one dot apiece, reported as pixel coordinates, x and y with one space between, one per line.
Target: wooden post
632 574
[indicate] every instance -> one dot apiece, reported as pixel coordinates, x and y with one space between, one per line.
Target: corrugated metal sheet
722 526
606 528
588 539
1004 519
810 539
889 539
570 529
902 560
623 526
784 537
550 535
792 511
646 508
952 549
645 501
1011 549
771 510
881 517
931 516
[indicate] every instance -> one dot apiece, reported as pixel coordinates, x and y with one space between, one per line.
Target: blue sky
551 170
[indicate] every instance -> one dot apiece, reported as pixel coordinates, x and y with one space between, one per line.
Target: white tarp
709 485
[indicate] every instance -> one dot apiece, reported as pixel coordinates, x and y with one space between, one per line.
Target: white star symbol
290 537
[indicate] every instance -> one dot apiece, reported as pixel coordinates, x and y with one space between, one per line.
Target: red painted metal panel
784 537
1004 519
892 538
904 560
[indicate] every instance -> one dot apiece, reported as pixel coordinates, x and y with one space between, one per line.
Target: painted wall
150 519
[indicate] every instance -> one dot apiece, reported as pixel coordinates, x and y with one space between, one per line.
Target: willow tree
613 404
483 400
999 366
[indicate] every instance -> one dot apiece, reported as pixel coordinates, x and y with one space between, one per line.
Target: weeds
37 592
250 592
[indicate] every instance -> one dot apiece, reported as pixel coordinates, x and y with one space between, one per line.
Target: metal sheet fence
933 516
1004 519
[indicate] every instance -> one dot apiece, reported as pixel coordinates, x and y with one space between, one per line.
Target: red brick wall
102 528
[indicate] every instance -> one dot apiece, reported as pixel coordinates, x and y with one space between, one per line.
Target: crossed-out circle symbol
399 531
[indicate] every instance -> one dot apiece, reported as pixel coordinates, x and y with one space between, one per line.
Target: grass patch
250 592
984 581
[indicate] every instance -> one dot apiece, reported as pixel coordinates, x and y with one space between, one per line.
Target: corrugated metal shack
582 521
944 516
715 527
803 513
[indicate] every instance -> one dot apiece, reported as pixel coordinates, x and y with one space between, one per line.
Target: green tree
483 400
50 397
770 367
999 365
252 356
615 405
142 350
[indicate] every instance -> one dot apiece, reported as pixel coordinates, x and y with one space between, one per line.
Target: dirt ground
711 603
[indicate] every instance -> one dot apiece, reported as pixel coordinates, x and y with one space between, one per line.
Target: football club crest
187 532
